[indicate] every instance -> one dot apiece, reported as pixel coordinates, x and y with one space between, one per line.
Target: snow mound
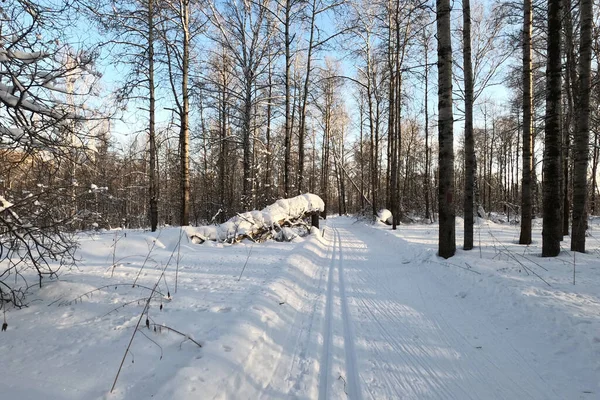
384 215
253 222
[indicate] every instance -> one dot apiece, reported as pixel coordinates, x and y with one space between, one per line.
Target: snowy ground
360 313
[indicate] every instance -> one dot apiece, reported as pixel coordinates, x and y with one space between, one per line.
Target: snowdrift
259 225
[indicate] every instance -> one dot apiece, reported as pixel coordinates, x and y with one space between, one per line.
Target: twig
343 380
178 259
533 262
124 305
116 262
446 263
246 263
147 257
115 285
187 337
215 216
137 325
153 341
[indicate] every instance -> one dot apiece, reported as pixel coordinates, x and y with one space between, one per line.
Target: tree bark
302 122
582 133
426 178
526 201
447 240
151 127
469 142
184 134
552 218
287 182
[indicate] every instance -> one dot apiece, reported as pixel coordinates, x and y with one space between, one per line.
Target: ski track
379 324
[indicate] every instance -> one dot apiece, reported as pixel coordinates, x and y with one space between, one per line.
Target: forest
141 114
299 199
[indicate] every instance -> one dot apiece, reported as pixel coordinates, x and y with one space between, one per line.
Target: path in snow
392 330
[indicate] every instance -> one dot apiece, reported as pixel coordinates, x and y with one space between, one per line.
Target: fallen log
262 225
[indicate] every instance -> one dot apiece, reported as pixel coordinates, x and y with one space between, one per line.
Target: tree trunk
288 128
595 158
184 134
302 124
426 182
526 203
469 142
151 127
268 172
582 132
552 218
447 242
246 144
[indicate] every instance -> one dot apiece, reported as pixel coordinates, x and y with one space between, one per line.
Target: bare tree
130 34
241 29
43 117
179 28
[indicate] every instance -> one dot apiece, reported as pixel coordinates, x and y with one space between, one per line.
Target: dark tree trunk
287 164
582 132
426 182
469 142
526 201
447 242
552 218
151 127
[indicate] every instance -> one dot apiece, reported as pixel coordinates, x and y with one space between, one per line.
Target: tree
240 29
178 30
526 192
469 142
131 30
427 36
552 227
447 243
363 20
582 133
43 127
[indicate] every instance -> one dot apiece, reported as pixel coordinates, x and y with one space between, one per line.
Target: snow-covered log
257 225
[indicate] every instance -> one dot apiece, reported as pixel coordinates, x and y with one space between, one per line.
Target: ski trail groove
352 377
404 332
324 367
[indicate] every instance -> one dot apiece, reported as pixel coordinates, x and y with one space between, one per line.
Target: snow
360 312
251 222
4 204
384 215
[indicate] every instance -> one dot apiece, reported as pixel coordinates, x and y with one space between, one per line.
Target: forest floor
361 312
